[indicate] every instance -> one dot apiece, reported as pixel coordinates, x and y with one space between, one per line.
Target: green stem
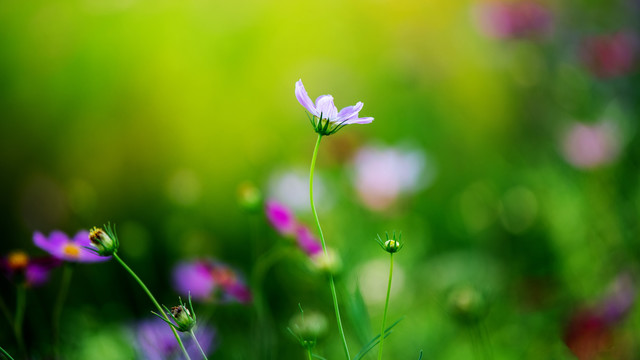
309 354
324 248
21 297
5 353
386 306
198 344
153 299
57 310
5 311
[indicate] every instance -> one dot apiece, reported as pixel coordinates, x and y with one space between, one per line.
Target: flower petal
349 112
304 99
356 120
324 106
53 243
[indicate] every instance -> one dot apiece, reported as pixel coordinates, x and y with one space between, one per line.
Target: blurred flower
284 221
249 197
59 245
155 341
513 20
290 187
33 272
209 280
467 304
382 174
590 146
610 55
280 217
327 264
307 327
326 118
589 332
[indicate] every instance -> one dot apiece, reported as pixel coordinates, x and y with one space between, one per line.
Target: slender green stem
5 311
153 299
386 306
198 344
309 353
324 248
57 310
5 353
21 302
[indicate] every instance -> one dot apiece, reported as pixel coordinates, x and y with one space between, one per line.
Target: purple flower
591 146
34 272
609 56
209 280
280 217
513 20
155 341
60 246
327 119
307 241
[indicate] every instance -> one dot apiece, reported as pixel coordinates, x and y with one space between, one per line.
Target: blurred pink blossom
609 56
589 146
513 20
382 174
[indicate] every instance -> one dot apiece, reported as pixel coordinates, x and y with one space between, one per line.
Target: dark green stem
309 354
324 248
5 353
386 306
21 299
57 310
153 299
198 344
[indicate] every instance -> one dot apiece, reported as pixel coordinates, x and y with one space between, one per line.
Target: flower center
71 250
17 260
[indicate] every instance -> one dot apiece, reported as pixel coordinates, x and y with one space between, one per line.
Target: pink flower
513 20
209 280
59 245
280 217
590 146
33 272
609 56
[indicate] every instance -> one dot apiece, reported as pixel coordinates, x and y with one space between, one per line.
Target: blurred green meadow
518 206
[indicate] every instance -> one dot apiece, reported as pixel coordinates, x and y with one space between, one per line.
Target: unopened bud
105 241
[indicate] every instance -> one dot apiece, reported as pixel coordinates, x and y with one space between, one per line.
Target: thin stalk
5 311
57 310
386 306
153 299
5 353
309 354
198 344
21 302
324 248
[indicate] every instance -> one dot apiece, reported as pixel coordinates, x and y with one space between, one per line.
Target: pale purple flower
608 56
290 187
590 146
307 241
383 174
329 119
512 20
209 280
59 245
280 217
32 272
155 341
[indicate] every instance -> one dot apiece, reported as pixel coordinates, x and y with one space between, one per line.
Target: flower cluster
209 280
284 221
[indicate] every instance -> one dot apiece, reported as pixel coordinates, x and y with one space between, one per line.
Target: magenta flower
590 146
33 272
609 56
307 241
155 341
514 20
60 246
327 119
209 280
280 217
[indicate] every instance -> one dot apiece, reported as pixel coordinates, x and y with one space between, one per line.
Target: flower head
33 272
155 341
391 245
105 242
185 320
209 280
591 146
59 245
515 20
325 117
280 217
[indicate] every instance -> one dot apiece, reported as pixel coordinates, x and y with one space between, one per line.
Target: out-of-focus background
504 148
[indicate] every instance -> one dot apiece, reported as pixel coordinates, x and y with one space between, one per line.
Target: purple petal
365 120
195 278
280 217
325 107
50 244
304 99
307 242
82 238
349 112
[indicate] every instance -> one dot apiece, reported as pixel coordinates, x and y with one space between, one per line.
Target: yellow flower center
17 260
71 250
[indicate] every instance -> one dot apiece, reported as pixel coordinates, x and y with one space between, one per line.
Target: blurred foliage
150 114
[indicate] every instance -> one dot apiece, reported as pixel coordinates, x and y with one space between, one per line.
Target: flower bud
467 304
105 241
249 197
185 320
327 264
308 327
391 245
